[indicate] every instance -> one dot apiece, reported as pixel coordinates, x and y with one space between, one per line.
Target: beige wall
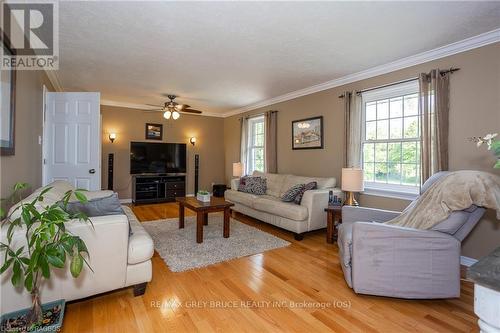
475 105
129 125
26 164
474 110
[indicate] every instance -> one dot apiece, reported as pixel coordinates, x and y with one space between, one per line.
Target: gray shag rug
179 249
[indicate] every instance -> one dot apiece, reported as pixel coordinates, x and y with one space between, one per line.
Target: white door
72 139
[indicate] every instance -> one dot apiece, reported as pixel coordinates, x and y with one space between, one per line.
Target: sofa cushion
97 206
243 198
307 187
57 191
322 183
254 185
292 192
453 223
91 195
274 183
273 205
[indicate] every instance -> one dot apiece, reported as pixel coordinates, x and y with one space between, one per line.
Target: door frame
44 144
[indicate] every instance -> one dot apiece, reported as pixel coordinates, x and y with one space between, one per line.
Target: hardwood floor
299 288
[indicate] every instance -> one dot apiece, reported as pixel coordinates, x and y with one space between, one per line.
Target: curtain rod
451 70
258 114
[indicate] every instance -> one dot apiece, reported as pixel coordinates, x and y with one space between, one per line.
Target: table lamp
352 181
237 169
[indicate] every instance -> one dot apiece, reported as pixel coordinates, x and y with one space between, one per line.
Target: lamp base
350 200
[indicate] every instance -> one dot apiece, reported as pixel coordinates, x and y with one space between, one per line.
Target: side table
334 218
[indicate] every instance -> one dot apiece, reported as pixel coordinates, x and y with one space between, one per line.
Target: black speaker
196 172
218 190
111 158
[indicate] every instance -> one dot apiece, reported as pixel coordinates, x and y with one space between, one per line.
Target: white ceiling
224 56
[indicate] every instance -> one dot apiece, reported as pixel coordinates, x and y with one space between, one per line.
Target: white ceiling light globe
167 114
176 115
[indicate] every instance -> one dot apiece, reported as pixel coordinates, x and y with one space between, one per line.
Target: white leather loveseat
309 215
117 259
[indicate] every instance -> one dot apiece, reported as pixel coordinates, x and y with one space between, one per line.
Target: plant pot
203 197
52 321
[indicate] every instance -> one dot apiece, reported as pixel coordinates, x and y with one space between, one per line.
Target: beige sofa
118 259
307 216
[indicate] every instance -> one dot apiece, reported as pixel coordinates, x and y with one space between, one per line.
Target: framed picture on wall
307 133
154 131
7 105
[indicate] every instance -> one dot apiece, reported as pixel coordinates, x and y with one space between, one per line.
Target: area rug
179 249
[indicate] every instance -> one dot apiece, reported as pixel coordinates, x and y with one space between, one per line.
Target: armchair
388 260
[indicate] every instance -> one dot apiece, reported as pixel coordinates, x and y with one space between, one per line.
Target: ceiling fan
172 109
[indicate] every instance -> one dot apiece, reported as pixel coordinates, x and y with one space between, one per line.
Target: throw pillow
99 206
292 193
241 185
307 187
109 205
254 185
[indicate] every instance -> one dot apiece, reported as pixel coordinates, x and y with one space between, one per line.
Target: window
391 140
255 158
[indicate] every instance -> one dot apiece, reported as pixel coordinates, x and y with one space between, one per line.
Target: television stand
157 188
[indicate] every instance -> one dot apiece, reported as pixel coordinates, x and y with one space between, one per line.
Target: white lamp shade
237 169
352 180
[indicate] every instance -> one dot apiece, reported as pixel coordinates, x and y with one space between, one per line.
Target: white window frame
250 147
380 189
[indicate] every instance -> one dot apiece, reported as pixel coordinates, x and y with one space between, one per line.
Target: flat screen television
149 157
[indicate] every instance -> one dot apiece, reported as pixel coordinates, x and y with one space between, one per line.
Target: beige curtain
243 143
434 110
271 141
352 116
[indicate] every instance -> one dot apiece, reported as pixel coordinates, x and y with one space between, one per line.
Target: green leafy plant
48 244
203 192
492 143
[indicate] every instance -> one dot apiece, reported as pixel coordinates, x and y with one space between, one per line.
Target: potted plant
48 245
492 143
203 196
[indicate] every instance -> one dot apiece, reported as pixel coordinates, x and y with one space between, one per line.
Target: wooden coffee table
202 209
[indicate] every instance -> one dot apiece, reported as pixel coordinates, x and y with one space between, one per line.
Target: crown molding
54 80
483 39
109 102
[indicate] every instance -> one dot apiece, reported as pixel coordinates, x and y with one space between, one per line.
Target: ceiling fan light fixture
167 114
176 115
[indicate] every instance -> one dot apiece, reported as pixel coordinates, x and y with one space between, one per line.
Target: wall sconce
192 140
112 137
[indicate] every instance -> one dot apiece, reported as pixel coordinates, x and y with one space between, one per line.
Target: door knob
92 171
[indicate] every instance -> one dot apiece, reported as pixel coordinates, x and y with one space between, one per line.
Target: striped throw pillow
307 187
292 192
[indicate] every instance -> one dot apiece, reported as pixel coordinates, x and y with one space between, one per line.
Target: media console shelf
157 188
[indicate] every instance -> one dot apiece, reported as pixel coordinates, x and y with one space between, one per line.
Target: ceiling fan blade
181 107
192 111
155 105
156 110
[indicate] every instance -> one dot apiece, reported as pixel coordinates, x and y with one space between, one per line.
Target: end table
334 218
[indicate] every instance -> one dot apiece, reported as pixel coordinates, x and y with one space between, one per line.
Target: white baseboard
466 261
